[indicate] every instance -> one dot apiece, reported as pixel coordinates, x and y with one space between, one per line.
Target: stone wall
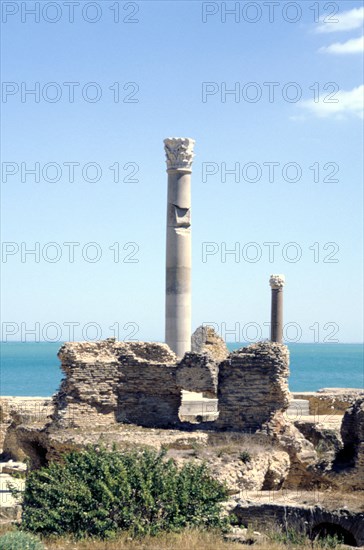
142 383
148 393
24 410
88 393
198 373
330 401
109 381
349 463
310 520
253 386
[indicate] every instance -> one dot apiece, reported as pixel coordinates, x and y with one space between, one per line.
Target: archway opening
197 407
333 530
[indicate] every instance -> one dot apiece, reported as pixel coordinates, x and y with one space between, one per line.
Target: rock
10 467
245 536
348 466
327 441
27 410
302 454
278 468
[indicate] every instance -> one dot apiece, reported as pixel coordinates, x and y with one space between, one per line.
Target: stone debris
328 402
23 410
10 467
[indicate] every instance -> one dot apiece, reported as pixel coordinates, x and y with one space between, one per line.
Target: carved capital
179 153
277 281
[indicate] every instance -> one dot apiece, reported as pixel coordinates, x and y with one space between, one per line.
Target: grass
187 540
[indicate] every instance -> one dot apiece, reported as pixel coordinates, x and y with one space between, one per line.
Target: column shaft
277 283
277 315
178 263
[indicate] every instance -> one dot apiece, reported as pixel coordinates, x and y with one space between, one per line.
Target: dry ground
188 540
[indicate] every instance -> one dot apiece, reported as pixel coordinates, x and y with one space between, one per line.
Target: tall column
276 322
179 153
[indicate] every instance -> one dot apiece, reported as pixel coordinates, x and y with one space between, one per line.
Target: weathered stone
109 381
141 383
348 466
329 402
206 340
301 452
309 520
327 441
252 386
11 467
148 394
23 410
198 373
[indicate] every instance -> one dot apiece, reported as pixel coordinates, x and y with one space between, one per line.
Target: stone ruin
141 383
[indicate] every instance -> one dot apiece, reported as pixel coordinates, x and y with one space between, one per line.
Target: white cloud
345 21
355 45
348 103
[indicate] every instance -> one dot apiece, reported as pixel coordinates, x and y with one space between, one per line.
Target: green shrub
245 456
330 541
17 540
99 493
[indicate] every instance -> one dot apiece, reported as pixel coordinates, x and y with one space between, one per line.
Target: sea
33 369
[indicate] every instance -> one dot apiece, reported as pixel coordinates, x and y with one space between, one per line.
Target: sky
272 92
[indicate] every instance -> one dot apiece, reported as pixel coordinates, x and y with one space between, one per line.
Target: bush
245 456
99 493
17 540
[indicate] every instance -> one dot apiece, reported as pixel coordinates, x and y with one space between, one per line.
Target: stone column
179 152
276 327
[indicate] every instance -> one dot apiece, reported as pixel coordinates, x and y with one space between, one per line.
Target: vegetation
290 537
191 539
245 456
17 540
100 493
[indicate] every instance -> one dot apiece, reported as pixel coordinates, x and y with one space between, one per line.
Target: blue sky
163 60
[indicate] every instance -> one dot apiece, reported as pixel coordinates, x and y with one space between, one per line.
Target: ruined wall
349 464
253 386
141 383
311 520
198 373
111 381
88 393
148 393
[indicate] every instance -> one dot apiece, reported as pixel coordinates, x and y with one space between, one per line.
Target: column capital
179 153
277 281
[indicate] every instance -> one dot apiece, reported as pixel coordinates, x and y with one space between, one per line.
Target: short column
276 327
